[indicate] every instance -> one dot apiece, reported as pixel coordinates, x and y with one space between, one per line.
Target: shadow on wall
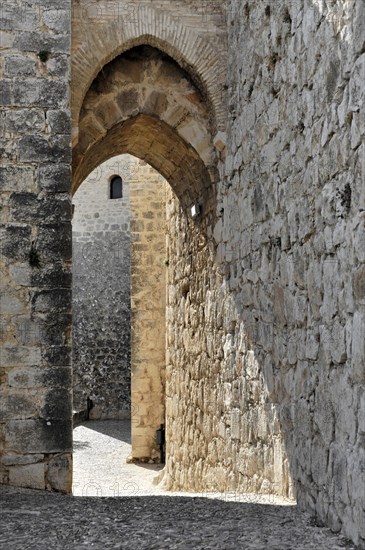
276 377
294 307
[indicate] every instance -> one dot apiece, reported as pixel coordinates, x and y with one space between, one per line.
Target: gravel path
151 519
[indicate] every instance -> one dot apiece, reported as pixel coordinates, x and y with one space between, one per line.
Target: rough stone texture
28 476
145 104
35 403
101 293
148 306
192 32
271 345
292 208
209 520
265 319
43 521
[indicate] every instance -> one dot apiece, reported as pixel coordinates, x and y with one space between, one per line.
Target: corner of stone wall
35 330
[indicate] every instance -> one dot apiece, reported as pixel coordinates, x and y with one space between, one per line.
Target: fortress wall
35 259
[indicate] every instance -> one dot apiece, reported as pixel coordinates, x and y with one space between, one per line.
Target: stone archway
194 36
143 103
36 432
119 288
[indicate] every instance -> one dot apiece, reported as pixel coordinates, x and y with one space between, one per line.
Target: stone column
148 288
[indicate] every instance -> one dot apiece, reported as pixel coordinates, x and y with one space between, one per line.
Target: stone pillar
148 287
35 260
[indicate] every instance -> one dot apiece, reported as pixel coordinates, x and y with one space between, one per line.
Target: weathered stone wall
273 353
35 259
293 237
148 306
265 317
101 292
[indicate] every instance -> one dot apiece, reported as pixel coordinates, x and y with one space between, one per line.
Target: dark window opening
116 187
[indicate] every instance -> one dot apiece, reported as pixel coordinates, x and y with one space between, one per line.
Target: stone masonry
148 307
253 111
35 260
101 293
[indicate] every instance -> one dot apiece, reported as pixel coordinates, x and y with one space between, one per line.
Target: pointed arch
98 38
144 104
155 142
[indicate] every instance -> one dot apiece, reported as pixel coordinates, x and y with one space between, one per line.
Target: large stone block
16 406
17 178
31 476
59 473
54 243
40 377
55 178
15 356
16 17
19 65
58 65
56 405
37 148
59 122
49 275
23 121
12 459
357 93
46 301
358 348
36 42
16 241
30 207
6 92
57 355
39 436
58 20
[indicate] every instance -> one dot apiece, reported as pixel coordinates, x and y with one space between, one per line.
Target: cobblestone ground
151 518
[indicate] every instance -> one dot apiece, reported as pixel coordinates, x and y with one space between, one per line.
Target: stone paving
151 518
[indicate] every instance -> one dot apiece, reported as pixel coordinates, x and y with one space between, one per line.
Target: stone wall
295 244
265 303
145 104
101 292
148 306
271 342
35 259
192 32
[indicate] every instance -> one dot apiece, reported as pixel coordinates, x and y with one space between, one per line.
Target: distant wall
101 292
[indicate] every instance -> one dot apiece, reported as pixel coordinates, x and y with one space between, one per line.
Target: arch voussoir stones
100 38
144 104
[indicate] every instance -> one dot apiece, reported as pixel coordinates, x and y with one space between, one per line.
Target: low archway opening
144 104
